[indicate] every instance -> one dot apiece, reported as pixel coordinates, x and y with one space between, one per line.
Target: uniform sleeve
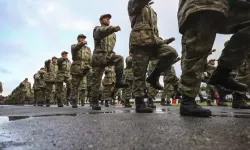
135 6
101 32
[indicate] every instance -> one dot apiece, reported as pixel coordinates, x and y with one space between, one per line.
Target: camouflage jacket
39 81
63 66
81 56
144 24
51 71
189 7
1 87
26 87
109 78
105 39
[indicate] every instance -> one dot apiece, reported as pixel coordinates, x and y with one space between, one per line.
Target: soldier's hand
170 40
117 28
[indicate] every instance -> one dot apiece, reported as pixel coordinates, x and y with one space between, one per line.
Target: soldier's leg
152 92
243 76
49 88
233 55
197 42
164 94
35 98
76 81
82 96
95 86
140 63
107 94
59 93
167 56
68 82
40 97
127 92
118 62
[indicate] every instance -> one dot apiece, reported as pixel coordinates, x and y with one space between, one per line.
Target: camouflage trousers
197 43
82 95
41 95
141 57
243 74
108 92
98 69
76 82
168 91
35 96
60 94
53 98
127 92
169 83
49 88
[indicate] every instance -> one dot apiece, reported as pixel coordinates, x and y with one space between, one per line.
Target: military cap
42 68
81 35
105 15
26 78
54 57
64 52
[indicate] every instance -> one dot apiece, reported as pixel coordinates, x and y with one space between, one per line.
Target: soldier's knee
169 52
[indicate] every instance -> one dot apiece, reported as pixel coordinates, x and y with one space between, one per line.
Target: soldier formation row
199 22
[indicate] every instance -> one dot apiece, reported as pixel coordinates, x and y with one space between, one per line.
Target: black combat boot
163 102
150 103
169 103
35 103
153 79
189 107
140 106
95 104
59 103
82 102
239 102
47 103
101 102
221 76
106 103
119 83
202 99
74 103
209 103
127 103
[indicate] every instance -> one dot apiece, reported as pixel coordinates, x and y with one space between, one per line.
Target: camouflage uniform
81 55
39 87
26 91
145 44
53 95
128 78
105 39
63 75
51 71
83 91
243 74
108 84
152 92
170 81
199 21
1 87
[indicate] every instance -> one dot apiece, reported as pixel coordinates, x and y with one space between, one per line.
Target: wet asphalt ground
38 128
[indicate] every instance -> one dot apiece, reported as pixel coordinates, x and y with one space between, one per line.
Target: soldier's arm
101 32
135 6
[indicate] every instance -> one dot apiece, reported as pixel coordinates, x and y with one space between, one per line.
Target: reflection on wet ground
5 119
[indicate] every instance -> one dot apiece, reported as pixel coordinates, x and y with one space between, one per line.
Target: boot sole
74 107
